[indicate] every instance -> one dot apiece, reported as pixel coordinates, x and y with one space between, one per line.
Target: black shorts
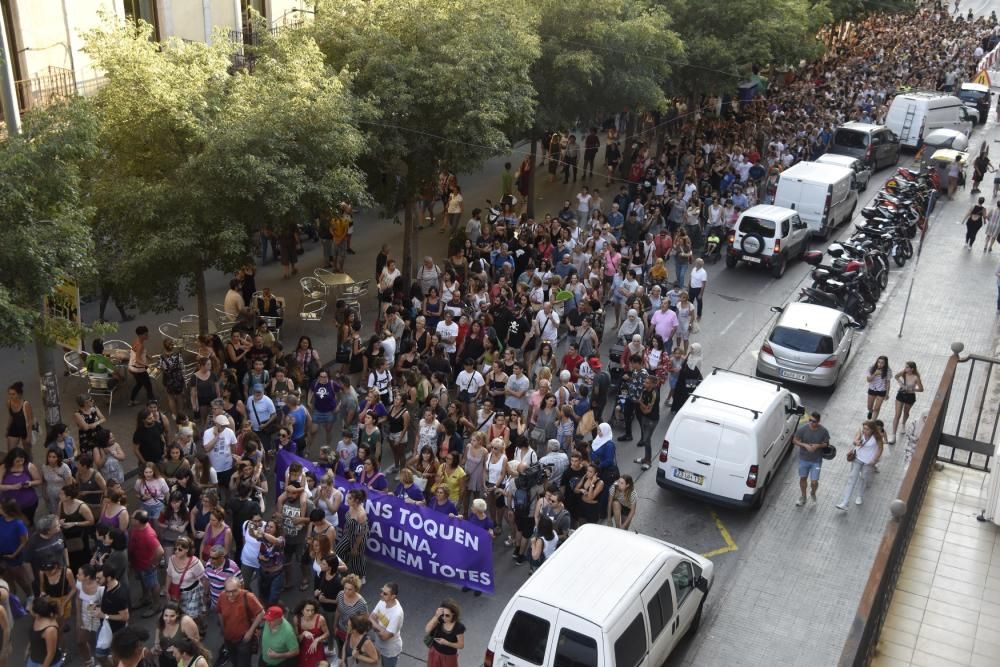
874 392
906 397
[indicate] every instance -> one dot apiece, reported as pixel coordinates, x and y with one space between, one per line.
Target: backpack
522 501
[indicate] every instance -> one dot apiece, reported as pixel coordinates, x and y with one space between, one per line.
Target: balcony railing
42 90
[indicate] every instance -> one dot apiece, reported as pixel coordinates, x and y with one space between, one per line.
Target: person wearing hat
219 441
810 438
278 644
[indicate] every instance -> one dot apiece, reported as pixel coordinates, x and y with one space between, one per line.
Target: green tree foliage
723 41
843 10
601 57
449 78
46 235
197 157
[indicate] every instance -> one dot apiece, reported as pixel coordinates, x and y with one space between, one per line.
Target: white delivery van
822 194
606 598
725 443
913 115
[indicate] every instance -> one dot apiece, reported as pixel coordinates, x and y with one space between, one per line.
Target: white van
606 598
912 115
725 443
822 194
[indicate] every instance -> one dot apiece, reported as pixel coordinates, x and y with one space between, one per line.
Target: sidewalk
793 596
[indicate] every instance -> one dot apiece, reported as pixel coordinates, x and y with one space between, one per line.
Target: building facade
45 37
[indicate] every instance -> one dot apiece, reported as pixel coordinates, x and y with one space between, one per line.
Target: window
800 340
527 637
752 225
684 578
631 646
784 228
661 610
143 10
575 650
851 138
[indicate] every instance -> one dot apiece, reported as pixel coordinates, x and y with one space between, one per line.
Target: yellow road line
726 537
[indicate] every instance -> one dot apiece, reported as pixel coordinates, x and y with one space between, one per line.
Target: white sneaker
841 507
800 502
857 501
892 439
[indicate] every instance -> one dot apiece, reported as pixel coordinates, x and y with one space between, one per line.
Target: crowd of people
484 394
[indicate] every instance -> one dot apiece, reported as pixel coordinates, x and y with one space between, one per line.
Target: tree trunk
410 220
626 163
201 293
529 206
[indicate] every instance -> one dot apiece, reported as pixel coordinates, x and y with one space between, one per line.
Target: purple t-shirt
413 493
447 508
325 396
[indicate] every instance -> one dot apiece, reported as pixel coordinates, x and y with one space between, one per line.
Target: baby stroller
713 244
620 391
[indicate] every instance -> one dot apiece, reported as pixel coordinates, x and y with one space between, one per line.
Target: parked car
912 116
977 96
820 193
725 443
767 236
605 597
808 344
862 170
877 145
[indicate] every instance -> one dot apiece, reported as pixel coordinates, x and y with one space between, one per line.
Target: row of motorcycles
859 268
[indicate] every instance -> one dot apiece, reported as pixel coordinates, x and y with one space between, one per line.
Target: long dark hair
885 368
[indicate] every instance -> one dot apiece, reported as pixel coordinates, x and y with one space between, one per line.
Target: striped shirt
217 577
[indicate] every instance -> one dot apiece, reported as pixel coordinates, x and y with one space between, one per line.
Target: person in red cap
599 392
278 644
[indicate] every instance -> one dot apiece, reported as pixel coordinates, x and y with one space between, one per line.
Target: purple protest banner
412 537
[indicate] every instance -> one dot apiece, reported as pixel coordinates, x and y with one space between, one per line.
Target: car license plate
798 377
754 260
689 476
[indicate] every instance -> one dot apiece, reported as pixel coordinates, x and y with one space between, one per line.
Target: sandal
639 461
304 586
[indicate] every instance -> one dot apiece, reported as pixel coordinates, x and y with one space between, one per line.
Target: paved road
736 318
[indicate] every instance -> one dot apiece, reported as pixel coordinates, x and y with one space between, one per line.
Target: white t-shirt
548 325
445 330
390 618
583 204
470 382
221 455
699 277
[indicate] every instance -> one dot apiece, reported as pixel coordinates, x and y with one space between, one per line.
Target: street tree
598 58
199 156
449 79
723 42
46 233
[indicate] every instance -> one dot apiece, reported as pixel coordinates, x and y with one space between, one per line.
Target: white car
768 236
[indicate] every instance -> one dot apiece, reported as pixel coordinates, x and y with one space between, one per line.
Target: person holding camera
445 635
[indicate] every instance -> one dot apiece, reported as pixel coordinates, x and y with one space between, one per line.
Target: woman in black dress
687 378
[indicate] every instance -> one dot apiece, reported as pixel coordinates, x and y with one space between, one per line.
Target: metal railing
944 433
42 90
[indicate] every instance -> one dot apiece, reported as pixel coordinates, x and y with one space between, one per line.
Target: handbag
343 353
174 590
428 640
851 455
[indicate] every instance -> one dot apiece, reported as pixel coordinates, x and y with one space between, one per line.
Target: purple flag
412 537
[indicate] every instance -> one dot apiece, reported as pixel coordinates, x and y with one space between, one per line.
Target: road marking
726 537
731 323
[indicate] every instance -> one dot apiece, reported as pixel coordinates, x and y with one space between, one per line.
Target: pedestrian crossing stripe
982 78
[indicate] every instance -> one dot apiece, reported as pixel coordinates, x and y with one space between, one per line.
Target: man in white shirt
699 279
387 625
389 347
233 303
447 330
219 441
546 323
469 383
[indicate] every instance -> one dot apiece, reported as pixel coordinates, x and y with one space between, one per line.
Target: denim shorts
324 417
148 578
810 469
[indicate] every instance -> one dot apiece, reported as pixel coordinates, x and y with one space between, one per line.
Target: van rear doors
693 451
538 634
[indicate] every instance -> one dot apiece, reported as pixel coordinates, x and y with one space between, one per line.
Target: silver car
809 344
